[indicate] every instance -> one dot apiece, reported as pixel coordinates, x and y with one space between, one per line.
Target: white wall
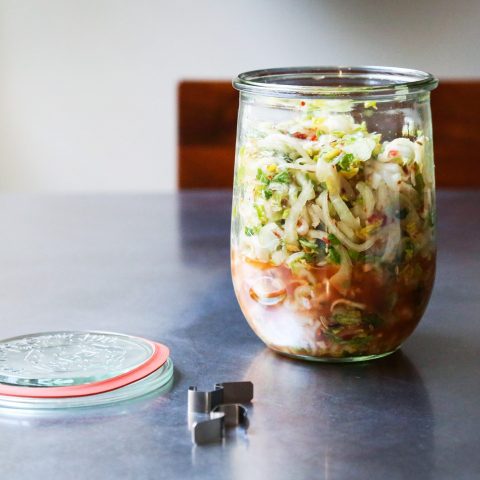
88 87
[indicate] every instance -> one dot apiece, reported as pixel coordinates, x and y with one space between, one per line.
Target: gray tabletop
158 267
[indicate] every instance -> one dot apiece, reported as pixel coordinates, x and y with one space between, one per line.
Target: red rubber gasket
158 358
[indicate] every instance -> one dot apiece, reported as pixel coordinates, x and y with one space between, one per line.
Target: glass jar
333 222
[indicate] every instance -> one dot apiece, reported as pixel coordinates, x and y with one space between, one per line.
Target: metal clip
213 429
234 414
223 405
204 402
228 392
209 431
236 392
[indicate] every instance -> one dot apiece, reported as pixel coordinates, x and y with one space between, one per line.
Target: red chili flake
393 153
302 103
313 138
300 135
377 217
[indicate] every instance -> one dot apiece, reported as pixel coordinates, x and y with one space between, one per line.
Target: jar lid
58 369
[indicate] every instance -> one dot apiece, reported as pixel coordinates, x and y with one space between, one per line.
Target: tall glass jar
333 222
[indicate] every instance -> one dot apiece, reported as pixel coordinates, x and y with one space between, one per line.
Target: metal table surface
158 266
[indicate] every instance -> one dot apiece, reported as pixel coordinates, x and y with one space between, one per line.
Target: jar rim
362 82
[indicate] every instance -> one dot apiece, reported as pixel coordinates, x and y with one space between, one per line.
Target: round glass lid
157 383
62 359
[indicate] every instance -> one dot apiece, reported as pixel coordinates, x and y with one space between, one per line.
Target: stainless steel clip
223 405
227 392
236 392
234 414
204 402
209 431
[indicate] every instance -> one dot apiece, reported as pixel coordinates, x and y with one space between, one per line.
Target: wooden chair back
207 129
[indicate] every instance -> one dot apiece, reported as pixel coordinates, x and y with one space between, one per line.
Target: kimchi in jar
333 222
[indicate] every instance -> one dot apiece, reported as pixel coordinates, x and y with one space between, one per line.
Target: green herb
262 216
333 239
307 244
282 177
402 213
346 161
419 182
312 257
334 256
355 256
286 213
267 193
262 177
250 231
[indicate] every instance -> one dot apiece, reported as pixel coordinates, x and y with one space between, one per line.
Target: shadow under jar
333 222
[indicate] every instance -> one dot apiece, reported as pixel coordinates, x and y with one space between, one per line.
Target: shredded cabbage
322 189
333 228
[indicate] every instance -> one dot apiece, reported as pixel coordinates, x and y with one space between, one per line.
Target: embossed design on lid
70 358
